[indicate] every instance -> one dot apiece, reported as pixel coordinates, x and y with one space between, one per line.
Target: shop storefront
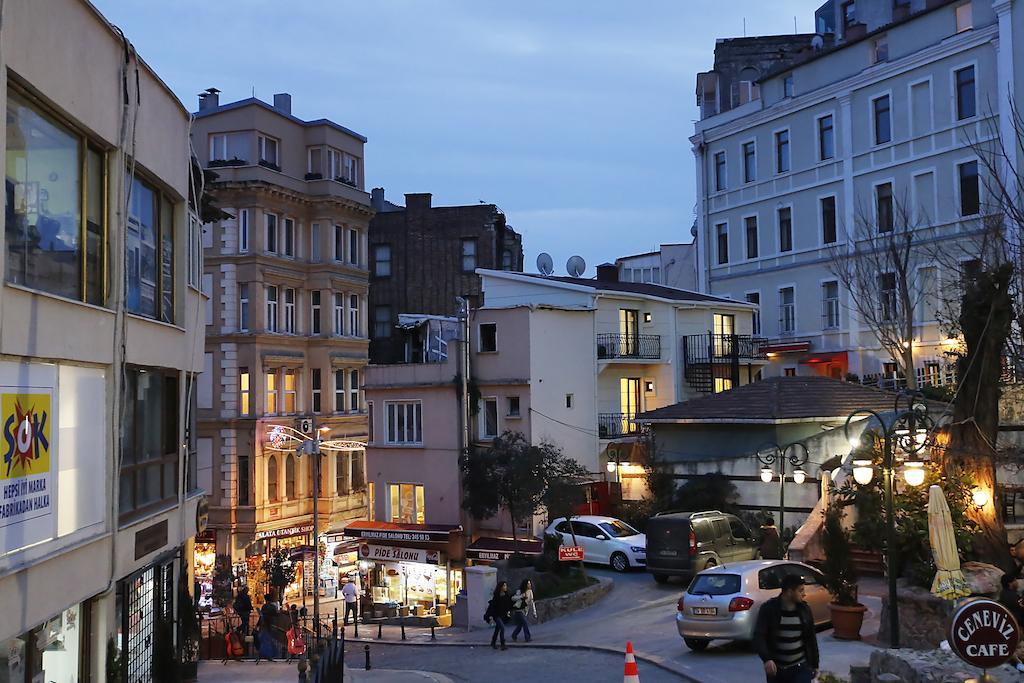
204 562
53 651
298 542
341 561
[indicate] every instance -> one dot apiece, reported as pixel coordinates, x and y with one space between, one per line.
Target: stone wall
550 608
932 666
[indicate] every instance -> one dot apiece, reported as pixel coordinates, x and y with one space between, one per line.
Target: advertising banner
27 471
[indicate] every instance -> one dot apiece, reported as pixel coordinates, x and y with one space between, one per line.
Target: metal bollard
334 623
366 650
432 636
380 629
302 666
402 623
355 622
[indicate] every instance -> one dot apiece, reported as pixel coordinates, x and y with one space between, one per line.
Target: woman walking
499 609
771 541
522 604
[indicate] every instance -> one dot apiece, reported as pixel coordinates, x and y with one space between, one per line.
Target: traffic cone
630 675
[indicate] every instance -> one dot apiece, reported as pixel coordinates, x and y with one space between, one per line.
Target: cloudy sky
571 115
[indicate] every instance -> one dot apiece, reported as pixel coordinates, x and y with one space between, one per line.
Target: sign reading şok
984 634
26 483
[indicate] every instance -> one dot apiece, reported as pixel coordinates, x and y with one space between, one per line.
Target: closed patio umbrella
949 582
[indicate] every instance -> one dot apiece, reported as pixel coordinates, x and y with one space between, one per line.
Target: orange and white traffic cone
630 675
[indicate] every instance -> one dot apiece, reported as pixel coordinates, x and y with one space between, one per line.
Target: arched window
289 477
272 479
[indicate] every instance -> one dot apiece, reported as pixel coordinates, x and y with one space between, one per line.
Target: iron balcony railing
613 425
710 356
643 346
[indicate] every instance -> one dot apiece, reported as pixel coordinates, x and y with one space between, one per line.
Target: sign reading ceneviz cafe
27 496
984 634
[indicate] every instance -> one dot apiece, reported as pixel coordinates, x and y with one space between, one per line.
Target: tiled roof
644 288
781 398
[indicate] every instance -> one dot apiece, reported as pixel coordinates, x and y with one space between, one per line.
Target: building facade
100 345
672 265
423 257
286 330
871 121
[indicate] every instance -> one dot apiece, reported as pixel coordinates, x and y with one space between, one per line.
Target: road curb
658 662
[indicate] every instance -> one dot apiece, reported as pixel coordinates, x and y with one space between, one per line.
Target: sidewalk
282 672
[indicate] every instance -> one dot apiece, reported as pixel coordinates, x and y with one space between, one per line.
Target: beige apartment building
99 319
286 330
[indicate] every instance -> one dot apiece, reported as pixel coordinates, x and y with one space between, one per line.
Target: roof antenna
744 27
254 91
794 25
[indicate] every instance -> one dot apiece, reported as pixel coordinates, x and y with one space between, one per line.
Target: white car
605 540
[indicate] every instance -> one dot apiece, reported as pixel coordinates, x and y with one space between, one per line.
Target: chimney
417 201
607 272
283 102
209 99
377 199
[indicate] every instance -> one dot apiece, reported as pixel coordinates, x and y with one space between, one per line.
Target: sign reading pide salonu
983 633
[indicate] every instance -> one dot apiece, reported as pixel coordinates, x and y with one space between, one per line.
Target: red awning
829 357
490 548
787 347
398 531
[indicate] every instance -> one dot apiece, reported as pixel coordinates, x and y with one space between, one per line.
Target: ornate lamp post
773 454
907 434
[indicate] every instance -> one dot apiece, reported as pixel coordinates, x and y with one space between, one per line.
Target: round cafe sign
983 633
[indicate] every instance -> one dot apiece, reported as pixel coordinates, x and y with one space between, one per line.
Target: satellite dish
576 265
817 43
544 264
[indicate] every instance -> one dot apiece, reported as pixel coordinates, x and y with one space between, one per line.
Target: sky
572 116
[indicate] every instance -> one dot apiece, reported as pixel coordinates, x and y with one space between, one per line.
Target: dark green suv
685 543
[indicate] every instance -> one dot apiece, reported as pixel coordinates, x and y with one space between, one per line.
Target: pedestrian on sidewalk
243 608
522 604
771 541
785 637
499 609
351 595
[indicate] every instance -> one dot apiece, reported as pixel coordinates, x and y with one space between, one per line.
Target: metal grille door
139 616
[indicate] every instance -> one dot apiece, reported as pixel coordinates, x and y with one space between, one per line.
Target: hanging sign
984 633
386 553
27 497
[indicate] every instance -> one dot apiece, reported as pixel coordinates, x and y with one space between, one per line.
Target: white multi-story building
801 136
672 265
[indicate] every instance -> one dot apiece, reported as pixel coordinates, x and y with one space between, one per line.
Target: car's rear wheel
696 644
619 562
660 578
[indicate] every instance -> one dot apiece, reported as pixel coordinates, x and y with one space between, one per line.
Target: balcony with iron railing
707 356
614 425
629 346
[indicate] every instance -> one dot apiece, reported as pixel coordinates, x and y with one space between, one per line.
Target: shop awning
397 531
826 357
787 347
491 548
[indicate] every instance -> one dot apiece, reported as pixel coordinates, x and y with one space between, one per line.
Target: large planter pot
846 621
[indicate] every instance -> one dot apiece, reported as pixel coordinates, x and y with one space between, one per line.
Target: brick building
422 257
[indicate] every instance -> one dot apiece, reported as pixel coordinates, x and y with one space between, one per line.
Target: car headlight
638 549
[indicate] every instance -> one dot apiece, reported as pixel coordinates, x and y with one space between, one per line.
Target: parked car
605 540
684 543
723 602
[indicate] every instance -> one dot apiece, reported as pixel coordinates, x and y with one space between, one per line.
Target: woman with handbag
522 605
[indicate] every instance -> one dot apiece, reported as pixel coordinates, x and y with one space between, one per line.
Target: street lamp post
908 433
771 454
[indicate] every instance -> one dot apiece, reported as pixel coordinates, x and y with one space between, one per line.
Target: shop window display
50 652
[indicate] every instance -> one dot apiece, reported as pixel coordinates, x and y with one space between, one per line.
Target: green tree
840 576
222 581
279 568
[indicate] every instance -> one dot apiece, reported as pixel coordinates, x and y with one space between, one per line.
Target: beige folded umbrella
949 582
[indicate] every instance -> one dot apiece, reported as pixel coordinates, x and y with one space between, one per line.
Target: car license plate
705 611
669 553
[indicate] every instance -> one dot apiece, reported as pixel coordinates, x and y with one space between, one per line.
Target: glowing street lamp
771 454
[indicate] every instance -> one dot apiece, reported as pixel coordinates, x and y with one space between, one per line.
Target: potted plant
840 577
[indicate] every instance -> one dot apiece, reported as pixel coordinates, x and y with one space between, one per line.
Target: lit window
406 503
290 392
243 391
271 389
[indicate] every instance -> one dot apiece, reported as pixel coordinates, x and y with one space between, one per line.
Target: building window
507 260
787 86
244 395
272 475
268 151
150 244
512 403
272 309
353 247
826 138
887 296
830 305
314 243
488 418
289 311
149 440
406 503
382 321
720 178
343 476
785 216
966 107
316 390
314 311
789 372
568 401
755 298
270 224
404 422
243 307
243 231
828 220
229 147
315 165
289 237
849 14
290 392
242 483
929 295
964 20
882 119
468 255
339 243
289 477
488 337
751 225
369 421
723 381
382 260
749 162
351 169
353 315
782 151
722 231
883 207
271 389
880 50
354 404
339 314
787 310
195 250
339 391
970 191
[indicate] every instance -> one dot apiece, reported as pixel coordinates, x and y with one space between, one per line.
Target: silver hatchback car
723 602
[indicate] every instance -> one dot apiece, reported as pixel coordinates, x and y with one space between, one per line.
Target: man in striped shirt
785 637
